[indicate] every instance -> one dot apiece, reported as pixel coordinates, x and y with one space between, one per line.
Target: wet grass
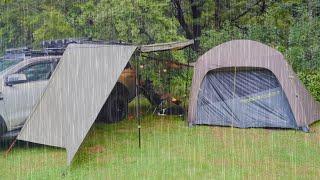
172 150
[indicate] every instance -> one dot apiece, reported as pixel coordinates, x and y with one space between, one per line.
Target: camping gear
245 84
72 100
172 110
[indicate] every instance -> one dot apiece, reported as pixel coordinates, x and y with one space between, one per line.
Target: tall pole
138 99
187 85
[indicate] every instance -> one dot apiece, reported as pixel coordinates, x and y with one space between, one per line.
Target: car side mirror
13 79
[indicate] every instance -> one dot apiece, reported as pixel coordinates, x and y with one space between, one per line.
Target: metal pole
138 99
186 85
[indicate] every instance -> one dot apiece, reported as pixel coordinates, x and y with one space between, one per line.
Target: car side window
37 72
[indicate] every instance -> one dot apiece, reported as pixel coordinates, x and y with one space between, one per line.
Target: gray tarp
243 98
76 92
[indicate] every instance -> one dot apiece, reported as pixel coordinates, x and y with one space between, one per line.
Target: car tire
116 107
3 127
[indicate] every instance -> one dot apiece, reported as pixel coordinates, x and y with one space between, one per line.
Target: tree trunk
180 17
196 27
193 32
217 15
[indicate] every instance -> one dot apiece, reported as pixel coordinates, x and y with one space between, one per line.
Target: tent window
238 83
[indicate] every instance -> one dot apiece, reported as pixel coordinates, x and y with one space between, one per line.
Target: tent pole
138 99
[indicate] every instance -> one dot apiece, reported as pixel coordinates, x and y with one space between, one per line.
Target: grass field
172 150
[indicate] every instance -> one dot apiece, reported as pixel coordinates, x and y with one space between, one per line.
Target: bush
311 80
304 48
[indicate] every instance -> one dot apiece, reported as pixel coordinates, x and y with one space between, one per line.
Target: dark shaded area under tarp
243 98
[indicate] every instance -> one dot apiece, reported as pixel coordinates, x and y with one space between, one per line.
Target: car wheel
115 109
118 108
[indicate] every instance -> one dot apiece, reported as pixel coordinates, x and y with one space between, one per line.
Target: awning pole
138 99
186 87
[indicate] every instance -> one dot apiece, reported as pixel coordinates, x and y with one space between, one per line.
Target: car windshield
4 64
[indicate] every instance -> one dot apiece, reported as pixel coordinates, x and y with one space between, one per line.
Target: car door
20 99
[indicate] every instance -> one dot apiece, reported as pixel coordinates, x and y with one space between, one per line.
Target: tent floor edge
190 125
305 129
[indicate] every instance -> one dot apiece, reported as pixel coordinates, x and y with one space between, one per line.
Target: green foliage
53 26
18 20
80 16
312 81
212 37
136 21
290 26
304 46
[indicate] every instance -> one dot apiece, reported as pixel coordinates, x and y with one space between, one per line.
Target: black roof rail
52 48
17 53
63 43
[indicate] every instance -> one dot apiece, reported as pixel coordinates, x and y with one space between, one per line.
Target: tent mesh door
250 97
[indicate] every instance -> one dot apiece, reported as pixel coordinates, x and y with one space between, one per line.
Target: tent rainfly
243 83
77 90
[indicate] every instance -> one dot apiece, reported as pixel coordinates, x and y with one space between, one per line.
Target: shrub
311 80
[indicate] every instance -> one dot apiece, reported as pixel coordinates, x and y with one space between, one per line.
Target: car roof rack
52 48
63 43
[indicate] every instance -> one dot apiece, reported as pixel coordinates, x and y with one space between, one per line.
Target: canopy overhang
75 94
165 46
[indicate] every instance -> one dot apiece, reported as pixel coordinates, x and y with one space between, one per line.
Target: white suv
21 86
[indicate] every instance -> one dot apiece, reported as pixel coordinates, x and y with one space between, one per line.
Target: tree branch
180 17
246 11
262 9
